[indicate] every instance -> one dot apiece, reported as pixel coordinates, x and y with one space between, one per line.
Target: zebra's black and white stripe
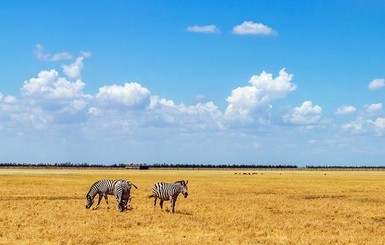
122 194
169 192
101 188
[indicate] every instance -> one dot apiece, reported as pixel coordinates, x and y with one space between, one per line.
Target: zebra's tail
134 185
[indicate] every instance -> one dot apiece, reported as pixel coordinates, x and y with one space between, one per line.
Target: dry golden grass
48 207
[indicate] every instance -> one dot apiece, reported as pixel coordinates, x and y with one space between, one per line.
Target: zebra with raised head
122 190
169 192
101 188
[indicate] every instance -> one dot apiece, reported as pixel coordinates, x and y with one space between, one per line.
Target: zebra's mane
182 182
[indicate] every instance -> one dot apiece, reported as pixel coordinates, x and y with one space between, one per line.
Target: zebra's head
122 206
90 201
184 189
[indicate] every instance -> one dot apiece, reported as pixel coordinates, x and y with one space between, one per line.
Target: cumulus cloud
376 84
54 101
344 110
263 90
374 108
86 54
251 28
73 70
93 111
203 29
50 98
306 114
365 121
130 95
379 125
200 115
7 103
357 126
40 54
41 83
49 85
7 99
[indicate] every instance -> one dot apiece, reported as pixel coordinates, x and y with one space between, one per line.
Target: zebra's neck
178 189
92 192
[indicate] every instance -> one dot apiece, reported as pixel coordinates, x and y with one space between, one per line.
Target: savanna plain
47 206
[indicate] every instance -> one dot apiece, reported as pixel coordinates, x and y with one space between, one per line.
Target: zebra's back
164 191
105 186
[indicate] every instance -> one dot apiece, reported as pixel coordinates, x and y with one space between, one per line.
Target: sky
203 82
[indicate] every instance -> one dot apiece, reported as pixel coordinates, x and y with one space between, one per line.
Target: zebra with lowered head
101 188
169 192
122 194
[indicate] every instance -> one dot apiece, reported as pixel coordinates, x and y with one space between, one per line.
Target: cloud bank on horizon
54 106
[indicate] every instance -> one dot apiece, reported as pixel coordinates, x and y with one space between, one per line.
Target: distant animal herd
121 189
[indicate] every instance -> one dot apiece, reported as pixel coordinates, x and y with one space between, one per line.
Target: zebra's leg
106 198
161 204
128 203
100 198
155 198
172 205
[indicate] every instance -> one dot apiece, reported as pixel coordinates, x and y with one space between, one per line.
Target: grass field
271 207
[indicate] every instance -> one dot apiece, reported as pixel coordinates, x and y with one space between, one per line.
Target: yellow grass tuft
48 207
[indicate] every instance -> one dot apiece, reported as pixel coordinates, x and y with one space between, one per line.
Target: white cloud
84 127
86 54
73 70
343 110
358 126
41 55
7 99
203 29
94 111
131 95
374 108
33 116
48 85
379 125
251 28
376 84
41 83
7 103
306 114
49 99
263 90
364 123
199 116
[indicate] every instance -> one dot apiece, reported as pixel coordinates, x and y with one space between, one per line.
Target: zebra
103 188
169 192
122 191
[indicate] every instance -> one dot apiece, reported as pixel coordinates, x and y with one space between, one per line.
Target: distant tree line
184 165
153 166
225 166
343 167
62 165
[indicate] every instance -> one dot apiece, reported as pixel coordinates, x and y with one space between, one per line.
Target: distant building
133 166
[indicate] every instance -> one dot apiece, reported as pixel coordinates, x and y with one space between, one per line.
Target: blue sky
264 82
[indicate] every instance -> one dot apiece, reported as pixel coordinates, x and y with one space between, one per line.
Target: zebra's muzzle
185 195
